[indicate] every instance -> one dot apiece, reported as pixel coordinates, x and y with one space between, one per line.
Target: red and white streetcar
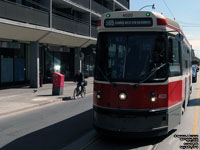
142 79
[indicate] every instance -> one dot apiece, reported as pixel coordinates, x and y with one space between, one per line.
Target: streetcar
142 76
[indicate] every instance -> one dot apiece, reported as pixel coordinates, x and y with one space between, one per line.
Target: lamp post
153 6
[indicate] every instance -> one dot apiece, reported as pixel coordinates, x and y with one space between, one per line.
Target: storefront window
58 59
19 64
12 59
6 69
49 65
57 62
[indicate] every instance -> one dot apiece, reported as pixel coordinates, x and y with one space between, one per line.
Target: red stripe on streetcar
163 22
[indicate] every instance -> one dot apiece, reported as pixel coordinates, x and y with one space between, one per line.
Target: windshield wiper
105 77
154 70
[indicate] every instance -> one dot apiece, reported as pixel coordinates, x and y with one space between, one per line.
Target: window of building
12 62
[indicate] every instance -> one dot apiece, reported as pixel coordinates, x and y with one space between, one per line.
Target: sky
185 12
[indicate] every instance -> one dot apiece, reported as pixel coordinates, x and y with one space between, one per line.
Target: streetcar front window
130 56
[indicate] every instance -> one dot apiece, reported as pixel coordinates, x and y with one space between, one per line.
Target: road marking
196 116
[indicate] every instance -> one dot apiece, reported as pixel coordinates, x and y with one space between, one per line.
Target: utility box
58 83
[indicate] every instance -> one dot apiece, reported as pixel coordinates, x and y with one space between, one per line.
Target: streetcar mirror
179 37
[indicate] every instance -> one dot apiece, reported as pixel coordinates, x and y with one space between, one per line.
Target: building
38 37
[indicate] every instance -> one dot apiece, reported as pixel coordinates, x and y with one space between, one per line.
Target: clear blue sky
185 12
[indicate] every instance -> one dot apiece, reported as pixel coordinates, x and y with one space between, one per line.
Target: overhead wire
169 9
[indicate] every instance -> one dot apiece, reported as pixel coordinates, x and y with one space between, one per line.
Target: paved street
67 125
51 127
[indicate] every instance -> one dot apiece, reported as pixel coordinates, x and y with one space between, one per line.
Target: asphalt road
47 128
68 126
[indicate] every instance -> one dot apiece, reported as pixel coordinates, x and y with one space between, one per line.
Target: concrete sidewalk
18 99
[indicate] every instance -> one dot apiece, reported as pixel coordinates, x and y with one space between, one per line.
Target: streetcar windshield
130 56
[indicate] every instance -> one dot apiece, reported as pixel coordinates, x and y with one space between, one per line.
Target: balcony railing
124 2
85 3
68 25
16 12
94 31
98 8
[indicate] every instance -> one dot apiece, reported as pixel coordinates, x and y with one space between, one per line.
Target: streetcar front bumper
144 123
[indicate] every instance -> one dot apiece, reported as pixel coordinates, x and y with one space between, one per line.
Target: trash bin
58 83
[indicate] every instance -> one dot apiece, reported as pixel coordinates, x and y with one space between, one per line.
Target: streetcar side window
174 51
185 58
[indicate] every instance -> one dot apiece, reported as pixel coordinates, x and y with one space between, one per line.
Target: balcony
98 8
85 3
94 31
124 3
69 25
16 12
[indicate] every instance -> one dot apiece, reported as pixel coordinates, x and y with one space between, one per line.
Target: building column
34 65
50 14
90 19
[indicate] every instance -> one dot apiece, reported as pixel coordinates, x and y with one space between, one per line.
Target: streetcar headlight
122 96
98 96
153 97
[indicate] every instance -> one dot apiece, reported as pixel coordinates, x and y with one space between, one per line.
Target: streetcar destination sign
128 22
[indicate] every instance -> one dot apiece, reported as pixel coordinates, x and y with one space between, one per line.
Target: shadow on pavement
23 86
67 98
108 143
194 102
56 136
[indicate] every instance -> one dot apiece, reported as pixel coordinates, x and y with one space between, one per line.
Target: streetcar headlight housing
153 97
122 96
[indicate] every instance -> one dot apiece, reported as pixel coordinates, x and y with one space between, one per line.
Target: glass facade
12 62
58 59
89 65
